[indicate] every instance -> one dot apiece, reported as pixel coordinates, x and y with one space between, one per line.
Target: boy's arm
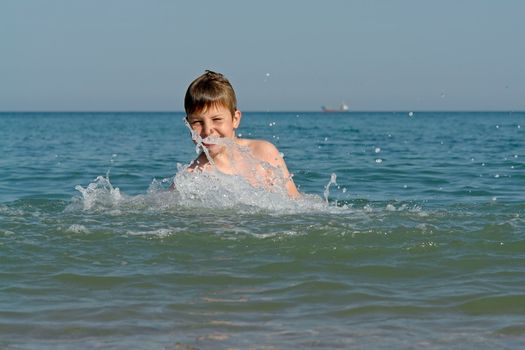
269 153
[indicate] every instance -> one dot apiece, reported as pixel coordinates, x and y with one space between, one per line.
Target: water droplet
497 126
410 114
515 156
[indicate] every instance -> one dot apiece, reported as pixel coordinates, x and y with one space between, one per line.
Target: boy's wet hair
210 89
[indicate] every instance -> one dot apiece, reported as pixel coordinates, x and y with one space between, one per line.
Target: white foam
76 228
5 210
160 233
390 207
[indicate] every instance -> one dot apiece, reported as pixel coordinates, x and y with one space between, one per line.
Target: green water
422 249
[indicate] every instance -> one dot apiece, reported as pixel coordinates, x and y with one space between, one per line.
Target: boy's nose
206 130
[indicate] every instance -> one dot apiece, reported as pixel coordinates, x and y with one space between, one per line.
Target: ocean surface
410 234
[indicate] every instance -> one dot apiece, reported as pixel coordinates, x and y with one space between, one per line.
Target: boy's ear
236 119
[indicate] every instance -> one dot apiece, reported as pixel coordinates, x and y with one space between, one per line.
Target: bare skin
258 161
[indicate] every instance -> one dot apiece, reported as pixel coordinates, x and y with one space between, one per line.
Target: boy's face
216 121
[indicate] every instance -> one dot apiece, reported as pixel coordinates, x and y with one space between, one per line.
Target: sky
280 55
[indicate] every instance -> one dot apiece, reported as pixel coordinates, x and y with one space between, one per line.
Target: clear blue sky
279 54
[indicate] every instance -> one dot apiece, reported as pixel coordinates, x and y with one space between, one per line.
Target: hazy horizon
136 55
265 111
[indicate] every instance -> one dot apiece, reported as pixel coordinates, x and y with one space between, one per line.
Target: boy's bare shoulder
262 149
259 146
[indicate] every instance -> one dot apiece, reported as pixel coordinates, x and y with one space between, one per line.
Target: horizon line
279 111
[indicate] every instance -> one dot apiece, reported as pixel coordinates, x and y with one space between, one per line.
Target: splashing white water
204 190
332 181
199 142
100 192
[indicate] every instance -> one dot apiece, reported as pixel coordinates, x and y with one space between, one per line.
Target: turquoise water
420 243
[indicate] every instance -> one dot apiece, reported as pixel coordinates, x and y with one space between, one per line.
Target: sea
409 234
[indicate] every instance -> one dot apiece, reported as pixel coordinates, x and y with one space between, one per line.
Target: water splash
197 191
199 142
100 193
332 181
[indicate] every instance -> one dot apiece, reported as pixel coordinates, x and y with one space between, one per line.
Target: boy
212 114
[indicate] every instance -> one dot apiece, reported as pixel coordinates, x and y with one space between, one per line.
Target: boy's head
210 89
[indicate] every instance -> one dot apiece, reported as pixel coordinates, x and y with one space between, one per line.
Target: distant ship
343 107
